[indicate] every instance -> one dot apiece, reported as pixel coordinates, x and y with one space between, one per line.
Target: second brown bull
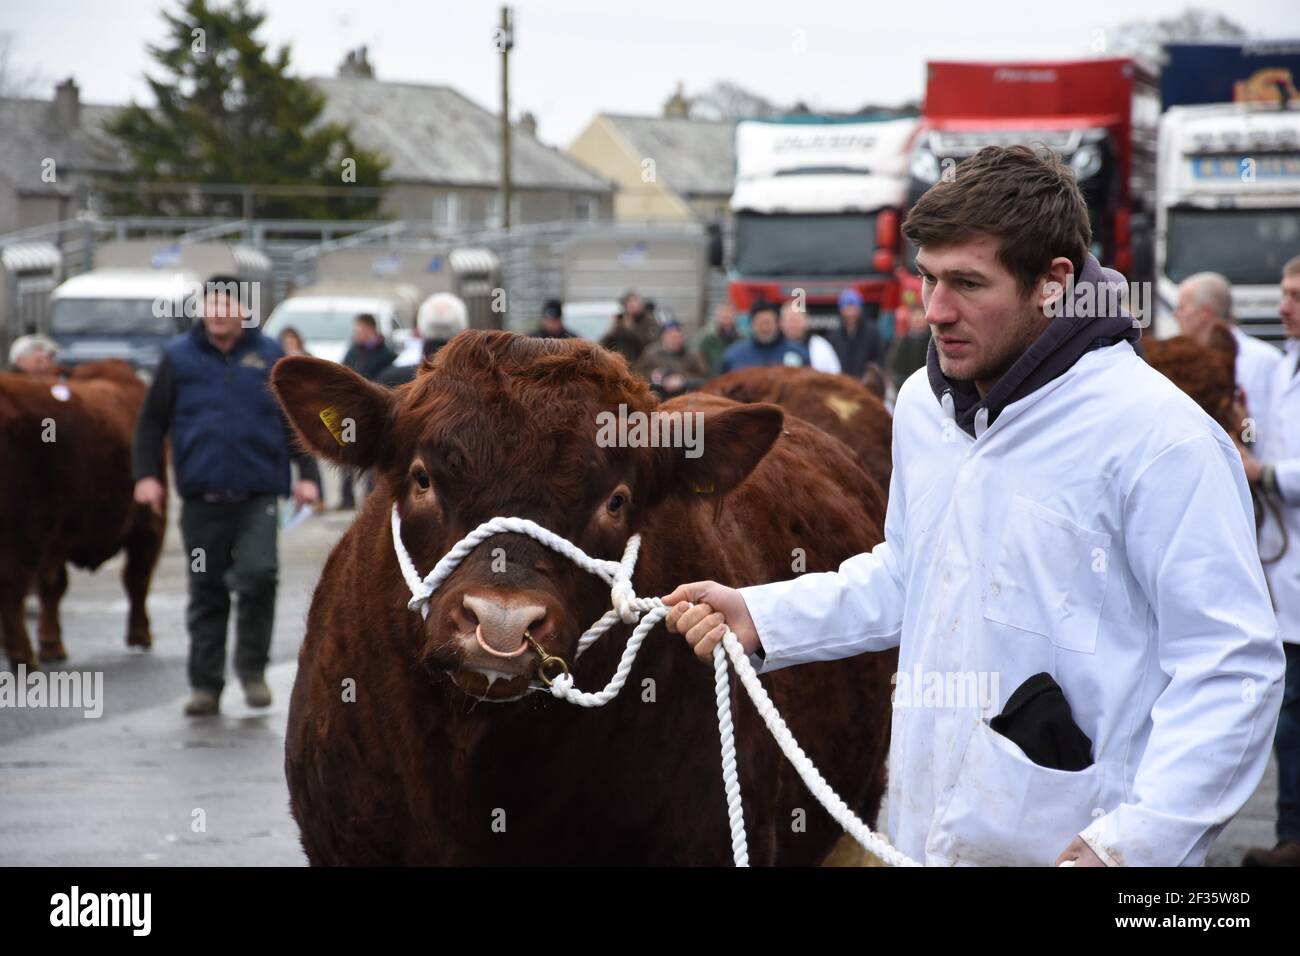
838 405
65 496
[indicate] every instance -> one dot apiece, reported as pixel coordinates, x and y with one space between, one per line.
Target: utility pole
505 41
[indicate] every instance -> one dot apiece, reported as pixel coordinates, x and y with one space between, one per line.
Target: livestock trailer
29 272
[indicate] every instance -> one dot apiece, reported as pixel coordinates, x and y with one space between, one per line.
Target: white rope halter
628 608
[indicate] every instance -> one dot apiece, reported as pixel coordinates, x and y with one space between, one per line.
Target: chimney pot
67 103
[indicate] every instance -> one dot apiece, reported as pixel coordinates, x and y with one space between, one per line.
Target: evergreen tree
229 112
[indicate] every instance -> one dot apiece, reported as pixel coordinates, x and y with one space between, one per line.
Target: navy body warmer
228 434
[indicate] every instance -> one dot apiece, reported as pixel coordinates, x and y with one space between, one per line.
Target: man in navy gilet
230 454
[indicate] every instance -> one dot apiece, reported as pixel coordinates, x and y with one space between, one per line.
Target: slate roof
694 157
433 134
31 132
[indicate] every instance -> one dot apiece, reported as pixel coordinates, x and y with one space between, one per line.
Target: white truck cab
817 204
1229 202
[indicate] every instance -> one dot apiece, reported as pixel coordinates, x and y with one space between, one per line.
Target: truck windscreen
1247 246
792 244
110 317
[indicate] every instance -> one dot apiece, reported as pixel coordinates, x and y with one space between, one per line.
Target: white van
142 292
323 314
119 313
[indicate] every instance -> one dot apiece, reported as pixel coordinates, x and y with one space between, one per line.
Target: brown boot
1286 853
256 693
202 703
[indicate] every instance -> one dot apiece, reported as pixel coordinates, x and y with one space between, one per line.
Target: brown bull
390 755
836 404
67 496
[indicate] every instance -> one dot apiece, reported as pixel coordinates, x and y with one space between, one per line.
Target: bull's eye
615 503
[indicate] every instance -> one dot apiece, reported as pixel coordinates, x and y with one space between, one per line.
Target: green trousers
230 546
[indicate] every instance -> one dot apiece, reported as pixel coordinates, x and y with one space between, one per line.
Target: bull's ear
734 440
336 413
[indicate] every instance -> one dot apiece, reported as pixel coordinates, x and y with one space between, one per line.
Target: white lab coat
1256 360
1098 530
412 352
1280 446
822 355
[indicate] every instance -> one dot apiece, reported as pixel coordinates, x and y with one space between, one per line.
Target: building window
446 211
494 210
584 209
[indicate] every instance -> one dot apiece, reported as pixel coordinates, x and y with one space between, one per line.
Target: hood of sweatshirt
1070 335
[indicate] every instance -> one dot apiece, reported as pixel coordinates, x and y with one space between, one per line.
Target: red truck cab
1099 116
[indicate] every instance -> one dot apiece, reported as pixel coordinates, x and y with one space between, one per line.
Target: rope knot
420 602
623 597
561 685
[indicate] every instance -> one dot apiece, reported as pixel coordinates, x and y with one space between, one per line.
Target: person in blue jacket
765 345
231 448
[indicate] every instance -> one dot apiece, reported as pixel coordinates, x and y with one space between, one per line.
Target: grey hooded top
1060 345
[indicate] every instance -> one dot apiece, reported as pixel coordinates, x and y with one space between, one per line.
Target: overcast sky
575 58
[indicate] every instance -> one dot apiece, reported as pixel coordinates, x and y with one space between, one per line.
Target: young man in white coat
1062 522
1277 472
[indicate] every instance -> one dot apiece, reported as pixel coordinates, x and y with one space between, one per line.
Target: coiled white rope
645 613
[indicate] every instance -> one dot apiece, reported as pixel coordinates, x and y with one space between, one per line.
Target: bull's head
501 425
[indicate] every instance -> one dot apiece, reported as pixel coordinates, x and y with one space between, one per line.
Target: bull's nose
501 624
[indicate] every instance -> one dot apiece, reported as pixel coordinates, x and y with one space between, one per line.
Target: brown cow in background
391 757
1206 371
66 495
838 405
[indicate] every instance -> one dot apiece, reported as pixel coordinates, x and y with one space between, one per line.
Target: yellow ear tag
843 407
702 489
329 415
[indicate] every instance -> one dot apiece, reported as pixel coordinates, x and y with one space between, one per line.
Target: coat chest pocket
1006 810
1049 577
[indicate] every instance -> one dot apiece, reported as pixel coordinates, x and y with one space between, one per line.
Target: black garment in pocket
1037 719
